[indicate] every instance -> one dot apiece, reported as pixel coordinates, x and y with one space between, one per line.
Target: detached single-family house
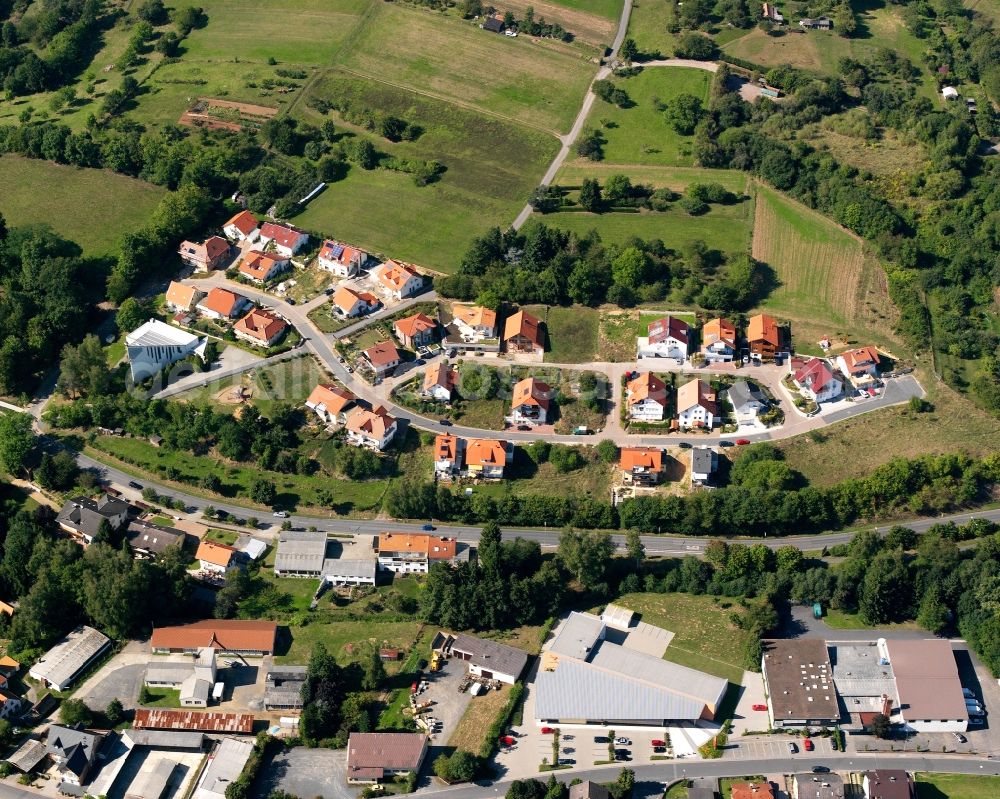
287 240
417 330
641 465
414 553
859 365
217 558
260 328
376 756
82 517
763 336
530 402
718 340
704 464
155 345
816 380
329 402
242 227
522 332
341 259
383 357
447 456
493 24
646 398
74 751
888 784
206 255
696 405
476 322
770 11
439 382
666 338
399 280
817 23
350 303
487 459
223 304
182 298
373 428
148 541
747 400
263 266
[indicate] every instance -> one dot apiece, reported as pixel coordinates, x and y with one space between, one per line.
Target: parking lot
308 772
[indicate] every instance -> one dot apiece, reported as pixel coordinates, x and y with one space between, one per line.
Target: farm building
62 664
228 635
485 658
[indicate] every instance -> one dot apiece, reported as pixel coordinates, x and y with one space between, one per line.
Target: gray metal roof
617 616
703 788
818 786
60 664
337 568
155 782
300 551
166 739
491 655
577 635
580 690
226 765
155 333
169 671
704 688
858 671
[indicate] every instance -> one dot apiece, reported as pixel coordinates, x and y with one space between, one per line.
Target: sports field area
92 207
826 283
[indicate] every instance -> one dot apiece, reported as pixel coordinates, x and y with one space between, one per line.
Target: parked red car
808 744
547 730
507 740
742 442
658 743
760 707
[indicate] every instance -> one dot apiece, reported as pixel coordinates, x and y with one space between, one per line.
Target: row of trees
546 265
769 498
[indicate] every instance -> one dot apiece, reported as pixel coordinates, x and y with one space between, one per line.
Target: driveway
306 773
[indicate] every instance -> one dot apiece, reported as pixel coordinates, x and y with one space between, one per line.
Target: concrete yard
308 772
449 705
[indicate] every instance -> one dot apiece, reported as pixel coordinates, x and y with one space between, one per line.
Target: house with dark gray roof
283 687
74 751
375 756
488 659
149 541
81 517
748 401
704 463
703 788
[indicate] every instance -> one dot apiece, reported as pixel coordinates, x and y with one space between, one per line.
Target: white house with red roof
373 428
223 304
417 330
383 357
329 402
204 255
341 259
860 365
697 406
261 267
242 227
667 338
815 379
646 398
261 328
399 280
287 240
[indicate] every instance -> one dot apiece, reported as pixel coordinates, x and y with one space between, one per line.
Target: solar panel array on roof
337 250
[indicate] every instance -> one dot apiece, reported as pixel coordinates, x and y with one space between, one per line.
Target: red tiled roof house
376 756
666 338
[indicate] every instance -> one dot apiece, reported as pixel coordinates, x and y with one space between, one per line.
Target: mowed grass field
725 227
826 283
491 167
640 134
92 207
305 32
956 786
534 81
704 636
648 26
677 178
592 22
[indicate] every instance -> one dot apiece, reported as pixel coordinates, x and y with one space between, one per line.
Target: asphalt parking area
308 772
122 684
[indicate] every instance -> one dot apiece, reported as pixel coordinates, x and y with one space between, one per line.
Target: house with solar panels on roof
341 259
